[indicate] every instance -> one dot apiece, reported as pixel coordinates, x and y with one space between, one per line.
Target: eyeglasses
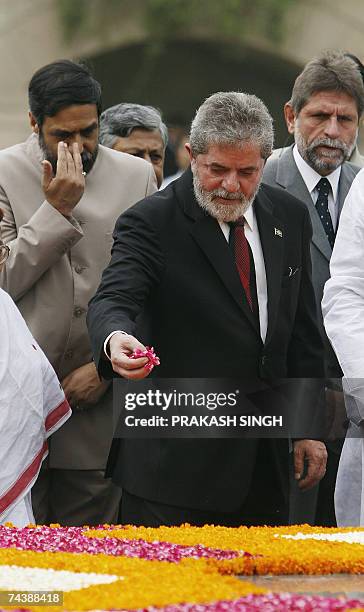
4 253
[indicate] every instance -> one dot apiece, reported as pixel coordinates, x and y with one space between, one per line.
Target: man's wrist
106 343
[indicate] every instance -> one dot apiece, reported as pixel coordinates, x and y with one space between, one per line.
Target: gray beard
228 213
310 155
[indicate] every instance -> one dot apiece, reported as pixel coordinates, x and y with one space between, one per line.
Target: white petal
352 537
13 577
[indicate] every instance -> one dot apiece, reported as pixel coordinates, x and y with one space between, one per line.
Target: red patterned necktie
242 257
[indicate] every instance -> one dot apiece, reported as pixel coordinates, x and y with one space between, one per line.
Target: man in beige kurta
60 242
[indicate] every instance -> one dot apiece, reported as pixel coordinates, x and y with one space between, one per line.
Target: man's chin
227 213
331 155
227 203
329 163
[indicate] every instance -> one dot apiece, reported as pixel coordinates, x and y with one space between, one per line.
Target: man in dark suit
323 114
217 311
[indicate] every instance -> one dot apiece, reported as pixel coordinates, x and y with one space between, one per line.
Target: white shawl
32 406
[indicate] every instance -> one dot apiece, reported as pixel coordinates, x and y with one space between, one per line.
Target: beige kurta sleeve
151 183
35 246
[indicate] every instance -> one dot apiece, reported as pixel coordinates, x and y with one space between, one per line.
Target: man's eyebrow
59 132
320 111
217 165
243 169
134 148
329 112
90 127
248 168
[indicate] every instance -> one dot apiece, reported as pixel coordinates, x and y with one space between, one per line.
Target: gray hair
332 71
120 120
232 118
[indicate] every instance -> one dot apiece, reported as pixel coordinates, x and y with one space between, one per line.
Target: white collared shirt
252 236
311 178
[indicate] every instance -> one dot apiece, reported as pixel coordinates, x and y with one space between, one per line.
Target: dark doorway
177 76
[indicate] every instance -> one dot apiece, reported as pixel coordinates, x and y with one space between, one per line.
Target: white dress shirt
311 178
252 236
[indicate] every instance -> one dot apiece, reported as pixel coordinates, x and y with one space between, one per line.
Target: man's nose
332 127
230 182
79 140
147 157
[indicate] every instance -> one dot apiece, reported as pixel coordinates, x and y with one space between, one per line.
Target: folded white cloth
21 514
349 490
32 407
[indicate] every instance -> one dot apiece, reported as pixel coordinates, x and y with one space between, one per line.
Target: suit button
79 269
68 354
263 360
78 312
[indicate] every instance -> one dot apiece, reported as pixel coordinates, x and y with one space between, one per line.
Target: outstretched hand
121 349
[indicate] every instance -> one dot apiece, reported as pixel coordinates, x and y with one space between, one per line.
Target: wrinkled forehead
72 118
145 138
227 154
331 102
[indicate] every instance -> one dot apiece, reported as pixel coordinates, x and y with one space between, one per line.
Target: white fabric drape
32 407
342 307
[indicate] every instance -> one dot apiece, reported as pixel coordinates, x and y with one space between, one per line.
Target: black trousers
265 504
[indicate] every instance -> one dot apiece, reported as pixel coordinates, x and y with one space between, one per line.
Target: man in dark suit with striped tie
323 114
220 266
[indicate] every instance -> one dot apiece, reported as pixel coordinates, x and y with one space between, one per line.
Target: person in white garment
343 310
33 406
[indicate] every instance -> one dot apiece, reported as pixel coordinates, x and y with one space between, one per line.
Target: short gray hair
120 120
232 118
332 71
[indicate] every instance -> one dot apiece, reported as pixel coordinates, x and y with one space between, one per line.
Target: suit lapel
290 178
344 186
208 235
272 236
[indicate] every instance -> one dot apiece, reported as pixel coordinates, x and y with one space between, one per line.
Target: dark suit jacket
172 265
281 171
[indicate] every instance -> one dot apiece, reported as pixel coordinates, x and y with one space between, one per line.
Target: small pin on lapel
278 232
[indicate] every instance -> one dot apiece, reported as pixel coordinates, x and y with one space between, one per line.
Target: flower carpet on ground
186 569
271 550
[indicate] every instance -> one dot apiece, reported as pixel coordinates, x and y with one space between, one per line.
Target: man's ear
290 117
33 123
188 149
